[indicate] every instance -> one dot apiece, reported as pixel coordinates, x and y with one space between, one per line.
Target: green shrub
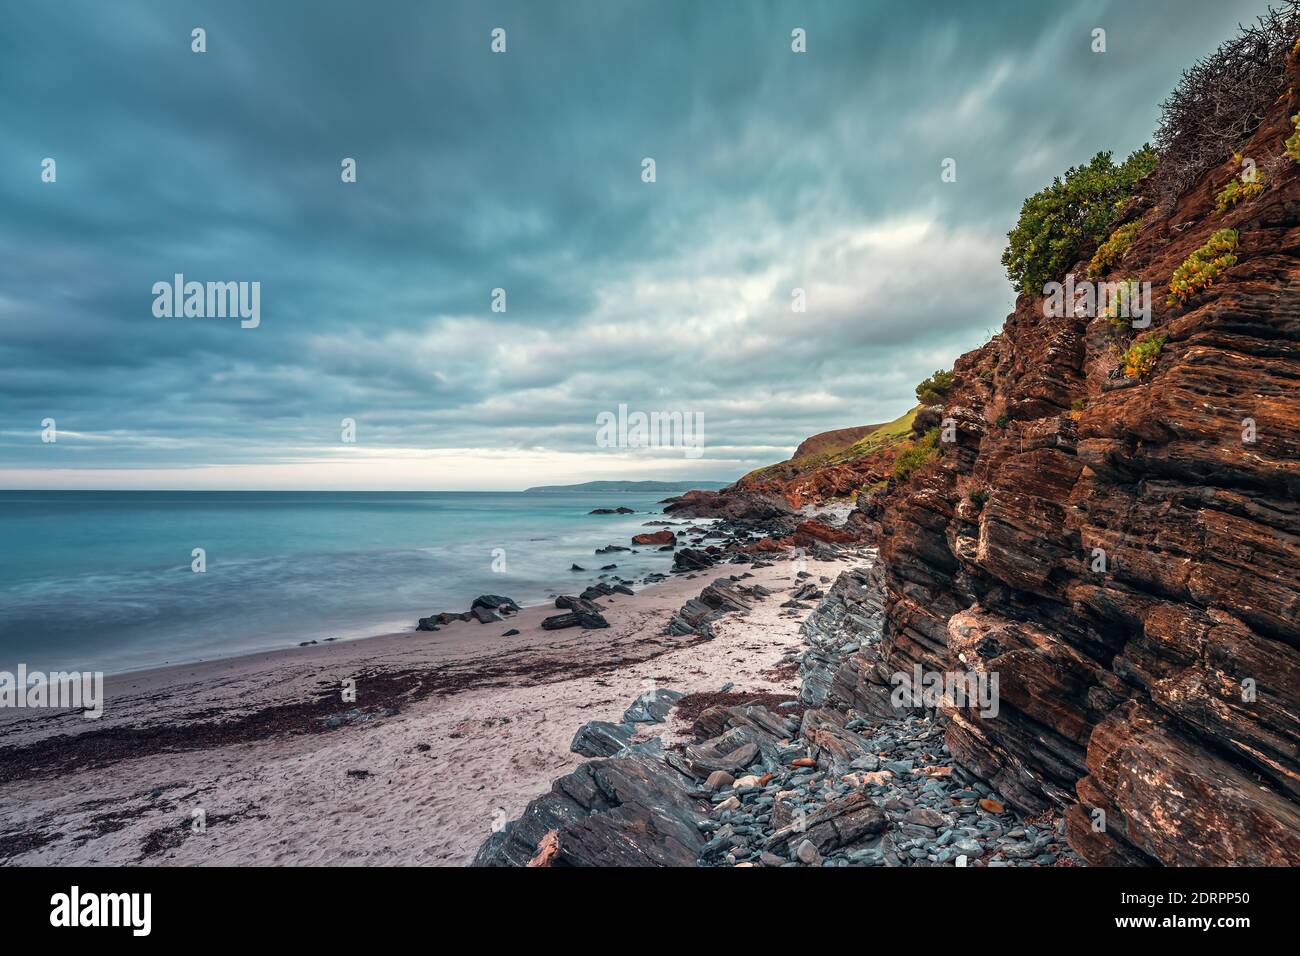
1123 300
925 449
1293 141
1112 250
1003 420
934 388
1140 358
979 496
1200 270
1236 191
1057 223
1121 326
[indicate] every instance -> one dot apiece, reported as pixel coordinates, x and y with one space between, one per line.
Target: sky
522 171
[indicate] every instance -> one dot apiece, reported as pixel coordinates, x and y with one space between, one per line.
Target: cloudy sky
522 171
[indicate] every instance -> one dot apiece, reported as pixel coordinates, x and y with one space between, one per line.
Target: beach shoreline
450 734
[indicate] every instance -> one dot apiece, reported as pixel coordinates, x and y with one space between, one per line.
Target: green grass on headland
885 436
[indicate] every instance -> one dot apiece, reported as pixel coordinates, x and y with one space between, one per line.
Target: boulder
629 810
495 602
601 738
566 602
583 619
692 559
841 823
655 537
435 621
652 706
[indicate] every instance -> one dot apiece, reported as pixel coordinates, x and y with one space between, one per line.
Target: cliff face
832 441
834 464
1125 554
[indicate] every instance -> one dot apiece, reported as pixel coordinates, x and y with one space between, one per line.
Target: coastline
108 584
452 732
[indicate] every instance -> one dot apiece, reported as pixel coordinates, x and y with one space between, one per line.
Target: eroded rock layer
1124 553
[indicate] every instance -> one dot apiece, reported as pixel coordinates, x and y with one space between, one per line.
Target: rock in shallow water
655 537
496 602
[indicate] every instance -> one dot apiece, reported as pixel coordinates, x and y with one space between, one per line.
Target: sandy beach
451 733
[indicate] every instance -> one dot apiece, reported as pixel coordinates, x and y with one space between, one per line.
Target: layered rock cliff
1102 513
1124 550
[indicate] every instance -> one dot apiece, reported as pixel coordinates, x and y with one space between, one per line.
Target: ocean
103 581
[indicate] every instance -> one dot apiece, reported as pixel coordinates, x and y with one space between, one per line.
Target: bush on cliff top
1058 222
1220 100
1200 270
933 390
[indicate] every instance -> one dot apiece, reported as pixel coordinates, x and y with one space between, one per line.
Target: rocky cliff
1123 549
1096 508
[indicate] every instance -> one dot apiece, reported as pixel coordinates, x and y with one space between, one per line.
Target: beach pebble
806 853
719 779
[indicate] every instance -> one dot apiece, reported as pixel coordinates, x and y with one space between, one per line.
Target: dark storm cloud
522 171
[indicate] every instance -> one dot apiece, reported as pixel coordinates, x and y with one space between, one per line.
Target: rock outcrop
771 783
733 505
630 810
601 738
1124 553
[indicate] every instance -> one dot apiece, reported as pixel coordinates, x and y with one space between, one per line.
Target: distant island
648 487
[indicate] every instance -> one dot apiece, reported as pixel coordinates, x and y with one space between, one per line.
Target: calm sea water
103 580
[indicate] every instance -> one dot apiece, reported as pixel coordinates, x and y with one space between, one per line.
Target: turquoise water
103 580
